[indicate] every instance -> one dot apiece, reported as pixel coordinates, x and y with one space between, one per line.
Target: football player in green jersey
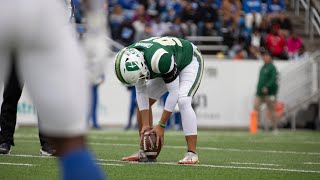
155 66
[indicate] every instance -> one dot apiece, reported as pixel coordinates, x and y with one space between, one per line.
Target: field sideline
223 155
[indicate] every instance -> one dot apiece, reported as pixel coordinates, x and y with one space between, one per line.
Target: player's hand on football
159 131
145 129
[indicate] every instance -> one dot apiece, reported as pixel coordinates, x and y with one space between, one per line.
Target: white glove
96 50
96 47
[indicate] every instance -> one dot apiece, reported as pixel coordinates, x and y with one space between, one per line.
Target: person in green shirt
155 66
267 87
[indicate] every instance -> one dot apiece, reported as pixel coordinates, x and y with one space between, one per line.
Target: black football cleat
5 148
47 150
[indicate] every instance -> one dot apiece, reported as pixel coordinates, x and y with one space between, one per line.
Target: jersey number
165 41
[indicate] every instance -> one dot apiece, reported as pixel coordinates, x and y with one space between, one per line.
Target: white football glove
96 48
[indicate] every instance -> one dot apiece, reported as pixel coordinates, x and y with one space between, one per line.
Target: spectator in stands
176 5
139 26
159 28
238 49
176 28
169 9
275 43
127 5
294 44
231 10
147 32
116 19
126 33
140 11
188 11
303 54
162 6
264 28
144 3
153 8
256 42
267 88
217 4
208 29
253 10
241 54
275 8
208 21
169 15
189 18
285 25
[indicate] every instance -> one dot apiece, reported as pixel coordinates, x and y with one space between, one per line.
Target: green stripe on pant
197 82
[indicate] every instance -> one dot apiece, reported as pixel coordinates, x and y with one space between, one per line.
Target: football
148 144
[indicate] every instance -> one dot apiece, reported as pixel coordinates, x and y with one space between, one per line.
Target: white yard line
176 164
220 166
312 163
211 138
310 142
202 148
27 155
32 136
16 164
216 149
35 156
109 164
249 163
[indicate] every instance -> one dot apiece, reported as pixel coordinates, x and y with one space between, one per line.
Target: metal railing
299 86
315 23
306 5
311 17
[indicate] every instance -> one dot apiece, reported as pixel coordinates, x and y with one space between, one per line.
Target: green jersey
268 78
165 56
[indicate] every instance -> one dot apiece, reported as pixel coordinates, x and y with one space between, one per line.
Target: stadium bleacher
215 26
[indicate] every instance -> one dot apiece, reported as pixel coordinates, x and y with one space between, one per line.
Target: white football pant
190 80
49 61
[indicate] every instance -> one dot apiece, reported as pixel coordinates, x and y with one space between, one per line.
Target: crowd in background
246 25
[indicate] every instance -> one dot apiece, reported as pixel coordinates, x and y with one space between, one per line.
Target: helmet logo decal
132 66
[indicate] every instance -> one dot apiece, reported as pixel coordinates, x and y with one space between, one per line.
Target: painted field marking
216 149
174 164
211 138
32 136
202 148
311 142
37 156
312 163
109 164
219 166
16 164
27 155
249 163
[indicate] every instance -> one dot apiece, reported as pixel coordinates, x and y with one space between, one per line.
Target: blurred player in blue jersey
53 67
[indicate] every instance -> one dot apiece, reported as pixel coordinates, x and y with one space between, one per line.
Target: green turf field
223 155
